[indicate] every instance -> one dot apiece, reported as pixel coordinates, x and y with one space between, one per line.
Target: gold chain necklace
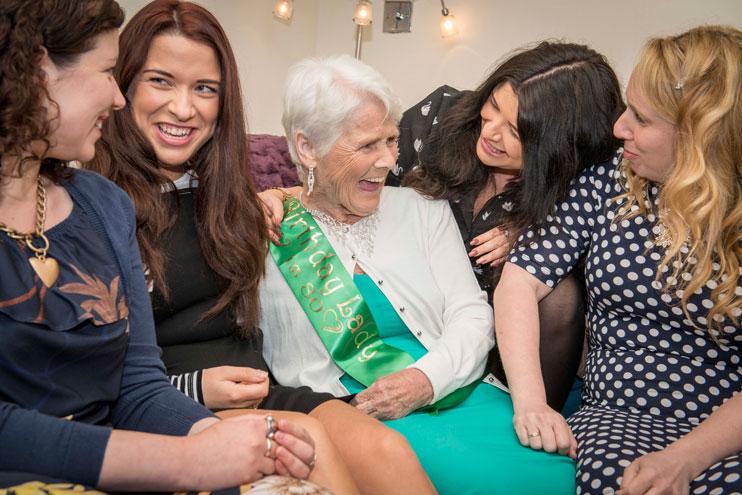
45 267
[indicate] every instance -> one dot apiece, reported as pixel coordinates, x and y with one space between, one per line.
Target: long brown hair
231 229
65 29
568 100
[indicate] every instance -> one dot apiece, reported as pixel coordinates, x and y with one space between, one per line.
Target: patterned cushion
270 161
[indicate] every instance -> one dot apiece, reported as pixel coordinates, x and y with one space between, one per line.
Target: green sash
335 306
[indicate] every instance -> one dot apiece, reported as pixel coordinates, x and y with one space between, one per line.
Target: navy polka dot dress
652 374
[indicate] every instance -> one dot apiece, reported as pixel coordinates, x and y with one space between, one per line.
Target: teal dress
471 448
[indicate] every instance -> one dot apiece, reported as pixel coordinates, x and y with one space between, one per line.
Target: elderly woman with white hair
370 291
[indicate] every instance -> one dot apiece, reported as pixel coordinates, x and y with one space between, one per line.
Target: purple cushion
270 161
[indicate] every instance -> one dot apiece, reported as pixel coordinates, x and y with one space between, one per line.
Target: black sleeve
299 399
416 125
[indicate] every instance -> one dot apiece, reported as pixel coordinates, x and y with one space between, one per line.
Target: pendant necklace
45 267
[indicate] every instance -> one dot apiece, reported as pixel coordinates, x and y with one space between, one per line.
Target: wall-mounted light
448 22
284 9
363 16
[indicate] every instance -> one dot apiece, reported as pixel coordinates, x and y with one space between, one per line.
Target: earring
310 181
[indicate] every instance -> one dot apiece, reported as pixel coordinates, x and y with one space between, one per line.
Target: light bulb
284 9
363 15
448 26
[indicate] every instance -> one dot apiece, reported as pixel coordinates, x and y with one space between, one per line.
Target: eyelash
392 141
205 88
201 88
639 118
513 132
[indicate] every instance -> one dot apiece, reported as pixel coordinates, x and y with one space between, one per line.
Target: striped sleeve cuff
189 384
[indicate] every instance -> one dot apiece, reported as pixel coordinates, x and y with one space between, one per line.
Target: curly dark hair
65 29
231 228
568 100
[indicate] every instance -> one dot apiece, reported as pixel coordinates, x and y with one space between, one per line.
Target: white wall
264 48
417 62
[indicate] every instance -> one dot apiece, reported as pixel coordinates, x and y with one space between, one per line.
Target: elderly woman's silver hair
322 95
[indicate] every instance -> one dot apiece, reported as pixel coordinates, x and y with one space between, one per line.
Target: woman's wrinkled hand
657 472
542 428
491 247
230 387
396 395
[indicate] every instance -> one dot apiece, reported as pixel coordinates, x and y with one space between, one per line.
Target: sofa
270 162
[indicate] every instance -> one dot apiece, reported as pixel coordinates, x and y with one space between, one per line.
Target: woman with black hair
503 155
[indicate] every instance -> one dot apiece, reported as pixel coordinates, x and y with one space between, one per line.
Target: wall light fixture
284 9
448 22
363 16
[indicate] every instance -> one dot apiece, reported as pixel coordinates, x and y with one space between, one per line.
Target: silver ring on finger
270 424
269 448
313 462
534 435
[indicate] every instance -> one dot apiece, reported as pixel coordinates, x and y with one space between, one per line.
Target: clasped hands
231 387
395 395
237 447
241 440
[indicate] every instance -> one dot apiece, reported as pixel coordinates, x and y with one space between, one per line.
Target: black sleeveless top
189 343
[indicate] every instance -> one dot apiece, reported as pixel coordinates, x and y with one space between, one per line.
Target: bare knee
390 444
313 426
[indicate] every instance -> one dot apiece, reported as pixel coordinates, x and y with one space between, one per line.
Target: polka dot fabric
652 374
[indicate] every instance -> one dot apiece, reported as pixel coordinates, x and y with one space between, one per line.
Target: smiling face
176 99
649 139
499 145
350 177
85 93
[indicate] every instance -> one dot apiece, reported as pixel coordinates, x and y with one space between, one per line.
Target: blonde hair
694 80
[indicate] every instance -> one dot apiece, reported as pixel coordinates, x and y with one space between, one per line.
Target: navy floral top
79 357
60 333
